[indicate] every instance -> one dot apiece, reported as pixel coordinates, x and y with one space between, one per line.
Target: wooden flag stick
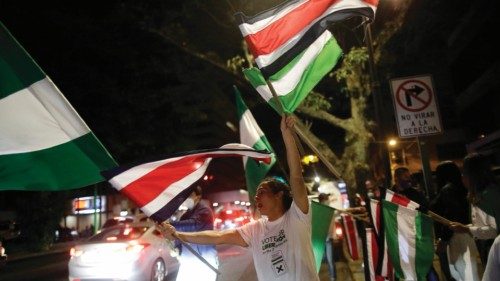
439 218
281 112
317 152
358 217
303 136
193 251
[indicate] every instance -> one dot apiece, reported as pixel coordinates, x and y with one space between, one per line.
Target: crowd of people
280 239
469 198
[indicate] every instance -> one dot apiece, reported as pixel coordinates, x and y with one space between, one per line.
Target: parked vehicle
117 220
64 234
229 218
135 251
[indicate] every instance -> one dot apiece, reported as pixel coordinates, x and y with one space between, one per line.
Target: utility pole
381 133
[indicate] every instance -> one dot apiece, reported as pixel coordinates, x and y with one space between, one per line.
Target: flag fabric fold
252 135
410 241
321 219
375 215
278 35
295 80
44 144
373 256
352 236
160 187
382 265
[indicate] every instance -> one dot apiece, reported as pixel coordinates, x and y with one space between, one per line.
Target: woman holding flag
280 240
484 195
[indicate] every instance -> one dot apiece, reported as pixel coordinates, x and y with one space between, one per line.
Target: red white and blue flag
278 35
160 187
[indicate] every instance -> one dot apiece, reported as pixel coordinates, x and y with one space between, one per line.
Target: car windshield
124 233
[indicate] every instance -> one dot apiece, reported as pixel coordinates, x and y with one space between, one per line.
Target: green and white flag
294 82
44 144
410 241
252 135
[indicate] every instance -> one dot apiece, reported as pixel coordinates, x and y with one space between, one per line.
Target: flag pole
301 134
193 251
281 112
439 218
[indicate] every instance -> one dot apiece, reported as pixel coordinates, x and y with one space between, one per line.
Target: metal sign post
417 115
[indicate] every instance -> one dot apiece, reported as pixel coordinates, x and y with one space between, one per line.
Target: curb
56 249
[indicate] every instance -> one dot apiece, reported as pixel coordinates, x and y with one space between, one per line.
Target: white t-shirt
282 249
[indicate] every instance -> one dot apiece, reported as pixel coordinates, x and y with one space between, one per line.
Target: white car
135 251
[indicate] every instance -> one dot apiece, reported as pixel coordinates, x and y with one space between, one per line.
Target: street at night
275 139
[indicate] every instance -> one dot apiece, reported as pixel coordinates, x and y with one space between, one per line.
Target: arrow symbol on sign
412 92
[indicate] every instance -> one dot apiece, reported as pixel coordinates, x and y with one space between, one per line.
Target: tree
352 78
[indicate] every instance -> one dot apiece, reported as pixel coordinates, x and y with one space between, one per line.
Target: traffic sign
415 106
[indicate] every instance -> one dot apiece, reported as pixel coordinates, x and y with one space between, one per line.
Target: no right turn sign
415 106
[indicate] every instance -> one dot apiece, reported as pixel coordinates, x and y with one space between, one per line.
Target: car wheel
158 271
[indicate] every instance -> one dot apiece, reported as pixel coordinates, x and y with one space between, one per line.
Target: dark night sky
137 92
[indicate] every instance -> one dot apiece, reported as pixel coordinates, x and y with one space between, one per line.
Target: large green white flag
44 144
410 241
294 82
252 135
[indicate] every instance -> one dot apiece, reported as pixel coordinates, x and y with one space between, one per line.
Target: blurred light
317 179
231 126
75 253
338 231
392 142
247 204
135 248
342 185
123 213
242 203
237 202
309 159
205 178
229 212
215 204
127 231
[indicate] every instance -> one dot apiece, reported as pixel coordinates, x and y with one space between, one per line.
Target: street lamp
392 142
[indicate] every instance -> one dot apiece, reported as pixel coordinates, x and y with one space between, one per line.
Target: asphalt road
235 263
51 267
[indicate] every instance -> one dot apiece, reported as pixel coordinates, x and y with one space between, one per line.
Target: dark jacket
415 196
451 203
199 218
